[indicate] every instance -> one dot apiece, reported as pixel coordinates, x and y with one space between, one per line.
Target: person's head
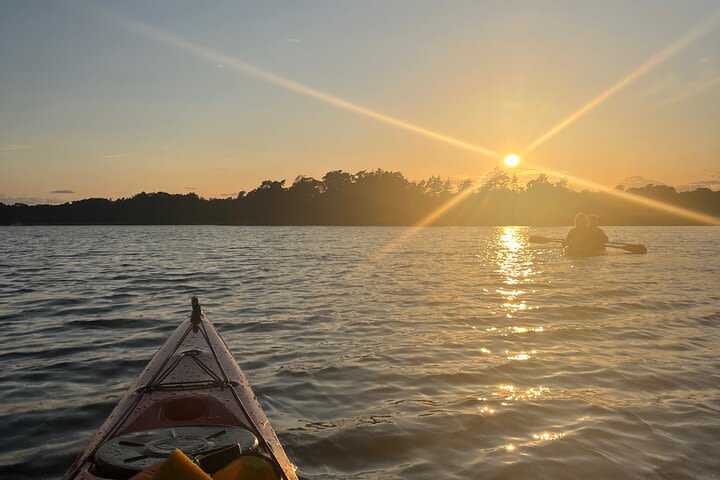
593 220
581 220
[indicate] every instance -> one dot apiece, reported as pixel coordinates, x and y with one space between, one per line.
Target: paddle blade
539 239
640 249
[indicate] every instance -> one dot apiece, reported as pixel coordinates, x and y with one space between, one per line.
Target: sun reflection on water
514 264
509 393
515 335
537 439
546 436
527 329
512 339
519 356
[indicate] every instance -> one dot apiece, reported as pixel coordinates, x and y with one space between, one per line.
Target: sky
108 99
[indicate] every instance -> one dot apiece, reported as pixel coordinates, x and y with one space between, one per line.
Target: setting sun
512 160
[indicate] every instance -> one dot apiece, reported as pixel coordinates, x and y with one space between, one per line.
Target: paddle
628 247
539 239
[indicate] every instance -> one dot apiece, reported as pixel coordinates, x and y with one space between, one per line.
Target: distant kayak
191 396
569 252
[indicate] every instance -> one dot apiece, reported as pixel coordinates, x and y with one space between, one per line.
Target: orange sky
109 103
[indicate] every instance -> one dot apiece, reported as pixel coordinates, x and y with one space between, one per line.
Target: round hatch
130 453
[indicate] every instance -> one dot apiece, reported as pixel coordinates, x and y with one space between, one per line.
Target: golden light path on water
514 263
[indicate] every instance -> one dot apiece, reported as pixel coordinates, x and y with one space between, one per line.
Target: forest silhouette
376 197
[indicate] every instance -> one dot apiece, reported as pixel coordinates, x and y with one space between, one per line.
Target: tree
377 197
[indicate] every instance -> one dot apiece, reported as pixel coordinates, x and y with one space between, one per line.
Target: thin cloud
660 86
692 90
63 191
293 40
115 155
189 188
712 181
688 187
704 183
638 181
14 147
529 171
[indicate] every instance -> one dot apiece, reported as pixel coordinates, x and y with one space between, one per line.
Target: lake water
381 353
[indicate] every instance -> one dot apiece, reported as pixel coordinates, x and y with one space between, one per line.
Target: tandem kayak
192 396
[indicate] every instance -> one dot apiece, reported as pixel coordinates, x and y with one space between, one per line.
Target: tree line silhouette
376 197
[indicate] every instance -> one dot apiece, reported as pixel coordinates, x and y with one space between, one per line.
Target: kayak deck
193 380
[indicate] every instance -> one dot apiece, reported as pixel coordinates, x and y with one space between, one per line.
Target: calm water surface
454 353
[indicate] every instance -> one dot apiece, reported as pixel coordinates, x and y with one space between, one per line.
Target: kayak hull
578 253
192 380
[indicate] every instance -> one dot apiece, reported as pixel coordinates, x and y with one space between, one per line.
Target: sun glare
227 61
512 161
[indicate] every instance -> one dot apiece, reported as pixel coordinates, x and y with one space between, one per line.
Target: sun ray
705 26
430 218
682 42
698 217
700 29
229 62
217 57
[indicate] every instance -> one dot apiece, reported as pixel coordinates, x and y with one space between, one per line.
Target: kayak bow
192 396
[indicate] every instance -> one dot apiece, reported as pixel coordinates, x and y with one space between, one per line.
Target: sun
512 161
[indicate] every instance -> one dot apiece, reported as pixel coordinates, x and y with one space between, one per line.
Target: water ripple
463 353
